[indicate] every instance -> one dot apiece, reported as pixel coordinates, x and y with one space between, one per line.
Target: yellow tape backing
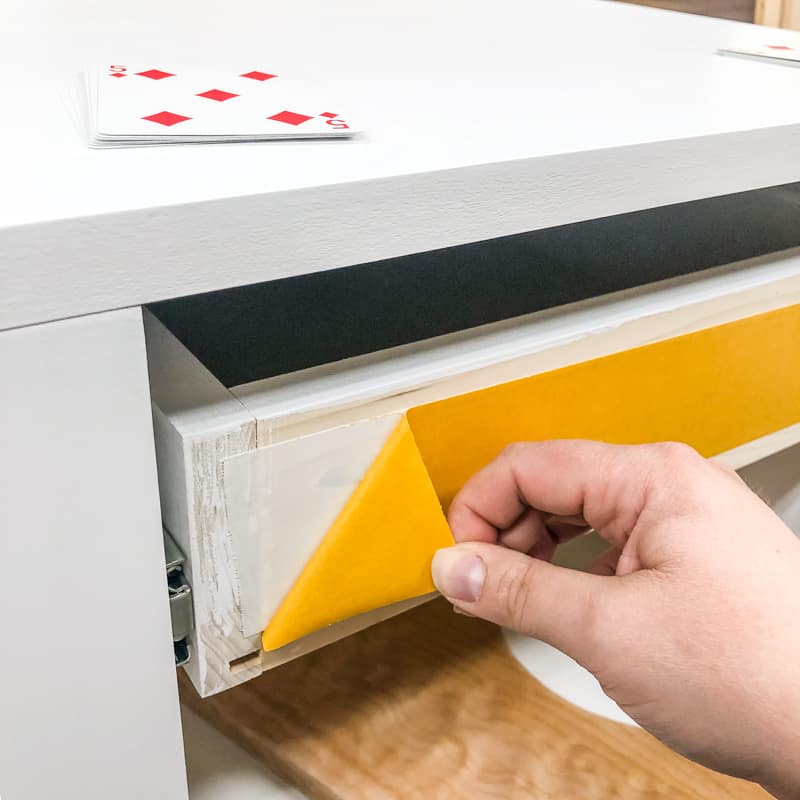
716 389
378 550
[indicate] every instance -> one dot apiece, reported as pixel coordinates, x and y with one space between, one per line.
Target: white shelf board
480 121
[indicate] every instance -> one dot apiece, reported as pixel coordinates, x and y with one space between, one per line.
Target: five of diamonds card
134 105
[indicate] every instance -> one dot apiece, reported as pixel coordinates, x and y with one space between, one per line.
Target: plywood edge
215 568
197 424
333 633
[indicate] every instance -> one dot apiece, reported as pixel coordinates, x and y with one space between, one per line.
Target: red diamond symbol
258 76
779 47
328 114
117 75
217 94
155 74
166 118
290 118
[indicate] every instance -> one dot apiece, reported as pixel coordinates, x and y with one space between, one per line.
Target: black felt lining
267 329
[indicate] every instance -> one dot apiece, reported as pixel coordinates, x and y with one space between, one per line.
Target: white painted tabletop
481 120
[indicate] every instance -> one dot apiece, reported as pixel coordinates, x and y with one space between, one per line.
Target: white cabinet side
88 699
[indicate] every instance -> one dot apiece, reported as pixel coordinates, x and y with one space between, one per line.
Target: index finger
605 484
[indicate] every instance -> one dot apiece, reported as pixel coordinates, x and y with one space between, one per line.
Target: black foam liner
265 329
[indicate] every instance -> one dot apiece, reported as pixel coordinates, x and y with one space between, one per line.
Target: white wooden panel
88 699
282 499
641 114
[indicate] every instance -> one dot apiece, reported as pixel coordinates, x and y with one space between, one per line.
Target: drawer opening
253 475
254 332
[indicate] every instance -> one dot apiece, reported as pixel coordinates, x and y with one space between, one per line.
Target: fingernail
458 575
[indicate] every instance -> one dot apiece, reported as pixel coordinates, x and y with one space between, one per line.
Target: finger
538 536
563 607
603 485
576 520
564 532
528 534
606 562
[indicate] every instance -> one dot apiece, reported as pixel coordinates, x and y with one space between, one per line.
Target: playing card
772 51
137 104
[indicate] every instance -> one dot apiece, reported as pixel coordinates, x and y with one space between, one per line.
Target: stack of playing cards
775 52
154 104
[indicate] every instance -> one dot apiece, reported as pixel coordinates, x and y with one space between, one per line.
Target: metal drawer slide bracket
180 600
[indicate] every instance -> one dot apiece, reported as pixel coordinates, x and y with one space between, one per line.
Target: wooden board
743 10
433 705
778 13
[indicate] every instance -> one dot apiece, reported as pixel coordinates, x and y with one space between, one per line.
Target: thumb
568 609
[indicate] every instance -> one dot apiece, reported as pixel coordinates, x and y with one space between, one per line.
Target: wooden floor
729 9
433 706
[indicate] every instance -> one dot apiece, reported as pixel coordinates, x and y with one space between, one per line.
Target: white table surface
481 120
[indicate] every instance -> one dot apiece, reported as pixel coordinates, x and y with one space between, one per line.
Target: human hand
691 619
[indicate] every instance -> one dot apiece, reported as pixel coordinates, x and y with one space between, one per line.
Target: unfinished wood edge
333 633
218 617
191 512
197 423
604 341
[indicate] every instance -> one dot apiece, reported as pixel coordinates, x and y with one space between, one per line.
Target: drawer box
253 476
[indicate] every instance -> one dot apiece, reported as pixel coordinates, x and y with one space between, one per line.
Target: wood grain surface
743 10
433 705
